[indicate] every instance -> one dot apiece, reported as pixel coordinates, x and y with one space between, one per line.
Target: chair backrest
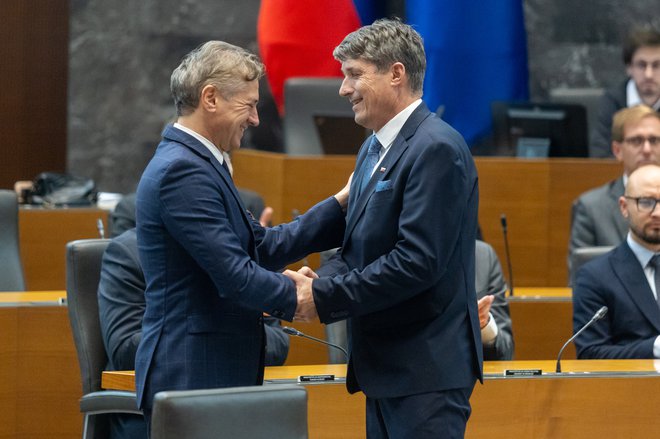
305 98
335 333
255 412
83 271
589 97
11 268
581 256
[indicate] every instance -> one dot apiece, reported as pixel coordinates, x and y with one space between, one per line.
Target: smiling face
233 115
372 94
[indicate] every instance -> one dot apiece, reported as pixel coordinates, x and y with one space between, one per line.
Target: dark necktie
224 165
655 263
369 162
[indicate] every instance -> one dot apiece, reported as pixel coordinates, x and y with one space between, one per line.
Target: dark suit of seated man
626 280
494 317
121 307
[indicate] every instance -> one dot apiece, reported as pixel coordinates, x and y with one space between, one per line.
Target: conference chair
581 256
255 412
304 100
336 333
11 268
83 270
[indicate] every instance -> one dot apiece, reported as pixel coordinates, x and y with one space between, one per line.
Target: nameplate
522 372
315 378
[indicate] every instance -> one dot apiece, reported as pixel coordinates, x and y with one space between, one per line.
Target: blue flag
476 53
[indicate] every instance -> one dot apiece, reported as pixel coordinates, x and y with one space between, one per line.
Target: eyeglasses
644 204
638 141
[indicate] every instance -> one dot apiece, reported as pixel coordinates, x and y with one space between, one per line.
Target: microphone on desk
599 315
506 252
293 331
101 229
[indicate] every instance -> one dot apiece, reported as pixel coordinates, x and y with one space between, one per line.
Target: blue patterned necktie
370 162
655 263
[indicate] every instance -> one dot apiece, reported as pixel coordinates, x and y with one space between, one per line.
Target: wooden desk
536 196
43 237
593 398
542 321
39 373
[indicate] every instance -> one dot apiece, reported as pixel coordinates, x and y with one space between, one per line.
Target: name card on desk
522 372
315 378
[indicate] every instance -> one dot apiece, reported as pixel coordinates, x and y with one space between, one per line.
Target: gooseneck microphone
599 315
292 331
506 252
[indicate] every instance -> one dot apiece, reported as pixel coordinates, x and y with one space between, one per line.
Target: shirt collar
219 155
390 130
643 254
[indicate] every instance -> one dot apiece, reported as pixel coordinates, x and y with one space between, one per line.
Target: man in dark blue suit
205 260
405 273
626 280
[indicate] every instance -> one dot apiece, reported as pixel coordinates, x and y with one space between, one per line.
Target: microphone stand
293 331
599 315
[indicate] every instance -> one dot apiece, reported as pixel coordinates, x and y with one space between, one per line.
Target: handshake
306 309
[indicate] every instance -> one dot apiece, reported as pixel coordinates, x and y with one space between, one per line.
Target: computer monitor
339 133
528 129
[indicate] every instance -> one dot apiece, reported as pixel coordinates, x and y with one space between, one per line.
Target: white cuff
489 332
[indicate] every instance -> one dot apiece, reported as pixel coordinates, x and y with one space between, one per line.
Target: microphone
506 252
599 315
293 331
100 228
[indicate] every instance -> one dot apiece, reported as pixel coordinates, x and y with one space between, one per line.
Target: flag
476 53
296 38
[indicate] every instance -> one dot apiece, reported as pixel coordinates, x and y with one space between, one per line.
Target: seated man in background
626 280
596 220
494 317
641 55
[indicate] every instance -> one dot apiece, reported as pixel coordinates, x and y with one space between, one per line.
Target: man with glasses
641 55
626 280
635 142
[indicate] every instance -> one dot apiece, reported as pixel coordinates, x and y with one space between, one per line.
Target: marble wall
122 54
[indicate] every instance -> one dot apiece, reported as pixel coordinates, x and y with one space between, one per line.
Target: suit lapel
384 169
633 280
196 146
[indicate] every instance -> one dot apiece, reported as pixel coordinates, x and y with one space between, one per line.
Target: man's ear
209 99
616 150
398 71
623 207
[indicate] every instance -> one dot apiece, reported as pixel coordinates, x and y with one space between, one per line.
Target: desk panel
43 237
617 399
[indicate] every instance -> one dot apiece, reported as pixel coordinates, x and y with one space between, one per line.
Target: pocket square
383 185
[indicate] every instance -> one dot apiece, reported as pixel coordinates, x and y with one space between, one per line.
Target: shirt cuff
656 347
489 332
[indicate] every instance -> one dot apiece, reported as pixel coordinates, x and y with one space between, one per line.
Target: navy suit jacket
632 323
122 304
206 263
405 273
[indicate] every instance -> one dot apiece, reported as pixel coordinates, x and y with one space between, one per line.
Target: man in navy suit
206 261
626 280
404 276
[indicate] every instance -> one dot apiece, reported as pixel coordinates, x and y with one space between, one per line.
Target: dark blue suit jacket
203 258
405 274
632 323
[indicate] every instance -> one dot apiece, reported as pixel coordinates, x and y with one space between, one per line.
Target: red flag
296 38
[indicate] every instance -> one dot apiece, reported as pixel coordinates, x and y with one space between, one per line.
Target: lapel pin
382 170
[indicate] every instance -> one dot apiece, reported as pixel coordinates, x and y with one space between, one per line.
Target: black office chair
255 412
83 269
11 269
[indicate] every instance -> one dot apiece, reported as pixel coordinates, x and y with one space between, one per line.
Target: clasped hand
306 308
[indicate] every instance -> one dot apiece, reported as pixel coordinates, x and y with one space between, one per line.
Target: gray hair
384 43
221 64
